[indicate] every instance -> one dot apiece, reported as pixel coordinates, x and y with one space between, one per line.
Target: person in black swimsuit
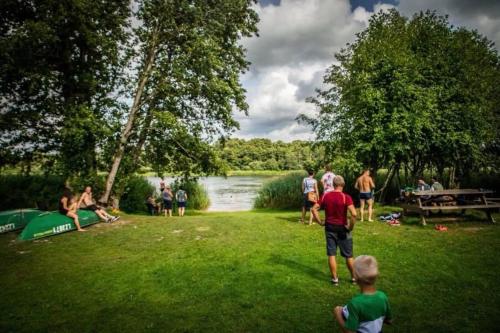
67 207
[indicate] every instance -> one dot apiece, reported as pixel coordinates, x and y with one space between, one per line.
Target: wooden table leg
422 212
488 211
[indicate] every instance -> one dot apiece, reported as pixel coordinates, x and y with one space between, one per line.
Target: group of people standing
364 184
69 204
368 311
167 196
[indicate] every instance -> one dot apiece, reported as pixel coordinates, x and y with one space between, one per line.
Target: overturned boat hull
53 223
16 219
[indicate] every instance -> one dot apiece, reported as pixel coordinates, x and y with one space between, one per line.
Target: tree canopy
60 65
113 85
414 94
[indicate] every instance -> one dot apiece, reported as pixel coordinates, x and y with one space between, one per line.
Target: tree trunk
127 130
388 180
136 153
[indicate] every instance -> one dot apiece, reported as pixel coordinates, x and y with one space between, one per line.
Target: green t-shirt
366 312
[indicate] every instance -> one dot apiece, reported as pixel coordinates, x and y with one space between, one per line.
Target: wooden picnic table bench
424 202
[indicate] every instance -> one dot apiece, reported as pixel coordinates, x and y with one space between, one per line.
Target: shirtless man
88 204
365 185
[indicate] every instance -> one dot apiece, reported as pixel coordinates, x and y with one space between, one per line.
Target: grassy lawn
240 272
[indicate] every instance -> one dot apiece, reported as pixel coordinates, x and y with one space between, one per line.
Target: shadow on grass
297 266
293 219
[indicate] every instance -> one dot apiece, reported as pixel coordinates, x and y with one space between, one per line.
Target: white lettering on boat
61 228
7 227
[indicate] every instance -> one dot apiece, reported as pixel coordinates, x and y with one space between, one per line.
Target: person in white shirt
311 198
327 179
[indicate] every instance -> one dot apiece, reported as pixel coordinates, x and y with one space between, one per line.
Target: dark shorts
334 239
91 207
307 204
167 204
63 211
365 195
181 204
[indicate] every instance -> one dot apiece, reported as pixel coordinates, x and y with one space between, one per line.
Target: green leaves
416 92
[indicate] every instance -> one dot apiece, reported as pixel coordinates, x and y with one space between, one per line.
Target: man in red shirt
337 227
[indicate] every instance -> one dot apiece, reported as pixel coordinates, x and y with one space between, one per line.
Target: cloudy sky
298 39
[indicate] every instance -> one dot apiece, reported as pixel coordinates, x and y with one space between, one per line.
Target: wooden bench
463 199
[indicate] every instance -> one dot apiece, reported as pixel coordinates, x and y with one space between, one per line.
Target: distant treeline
264 154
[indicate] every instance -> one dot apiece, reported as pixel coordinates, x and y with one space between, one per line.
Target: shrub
135 194
19 191
197 194
282 192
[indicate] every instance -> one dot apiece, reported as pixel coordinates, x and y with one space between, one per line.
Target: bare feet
82 230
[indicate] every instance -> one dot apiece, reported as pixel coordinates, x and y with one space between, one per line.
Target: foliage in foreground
413 95
243 272
135 194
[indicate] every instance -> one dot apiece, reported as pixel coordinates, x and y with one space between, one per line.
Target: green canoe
53 223
17 219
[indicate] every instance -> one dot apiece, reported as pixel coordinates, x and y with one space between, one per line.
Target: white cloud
482 15
297 43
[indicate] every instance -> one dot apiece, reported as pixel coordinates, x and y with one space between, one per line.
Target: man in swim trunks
365 185
87 203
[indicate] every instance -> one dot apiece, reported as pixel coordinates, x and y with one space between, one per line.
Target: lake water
233 193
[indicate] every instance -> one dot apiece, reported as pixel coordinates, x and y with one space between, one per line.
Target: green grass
256 271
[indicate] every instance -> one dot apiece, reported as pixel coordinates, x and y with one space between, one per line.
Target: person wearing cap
167 197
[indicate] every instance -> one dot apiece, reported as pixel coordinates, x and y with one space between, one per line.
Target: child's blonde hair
366 269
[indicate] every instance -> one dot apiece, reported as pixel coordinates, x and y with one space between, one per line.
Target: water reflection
233 193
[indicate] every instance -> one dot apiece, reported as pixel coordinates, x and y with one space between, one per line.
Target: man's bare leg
101 215
315 213
332 263
303 214
349 262
362 208
370 210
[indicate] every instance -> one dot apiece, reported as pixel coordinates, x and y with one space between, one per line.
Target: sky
297 41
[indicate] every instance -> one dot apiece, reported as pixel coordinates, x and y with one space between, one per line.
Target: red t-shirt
335 207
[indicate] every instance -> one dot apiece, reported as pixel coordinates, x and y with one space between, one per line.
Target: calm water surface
226 194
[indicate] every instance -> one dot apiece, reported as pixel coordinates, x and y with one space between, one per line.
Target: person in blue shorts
365 186
167 197
181 197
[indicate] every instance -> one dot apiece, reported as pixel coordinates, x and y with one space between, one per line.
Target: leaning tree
188 60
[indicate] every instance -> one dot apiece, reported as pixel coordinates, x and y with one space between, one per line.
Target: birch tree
189 60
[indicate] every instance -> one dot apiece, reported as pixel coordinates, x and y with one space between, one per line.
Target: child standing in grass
368 311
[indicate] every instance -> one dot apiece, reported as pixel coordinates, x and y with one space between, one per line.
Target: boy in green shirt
368 311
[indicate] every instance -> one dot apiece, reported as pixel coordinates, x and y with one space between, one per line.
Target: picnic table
423 202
